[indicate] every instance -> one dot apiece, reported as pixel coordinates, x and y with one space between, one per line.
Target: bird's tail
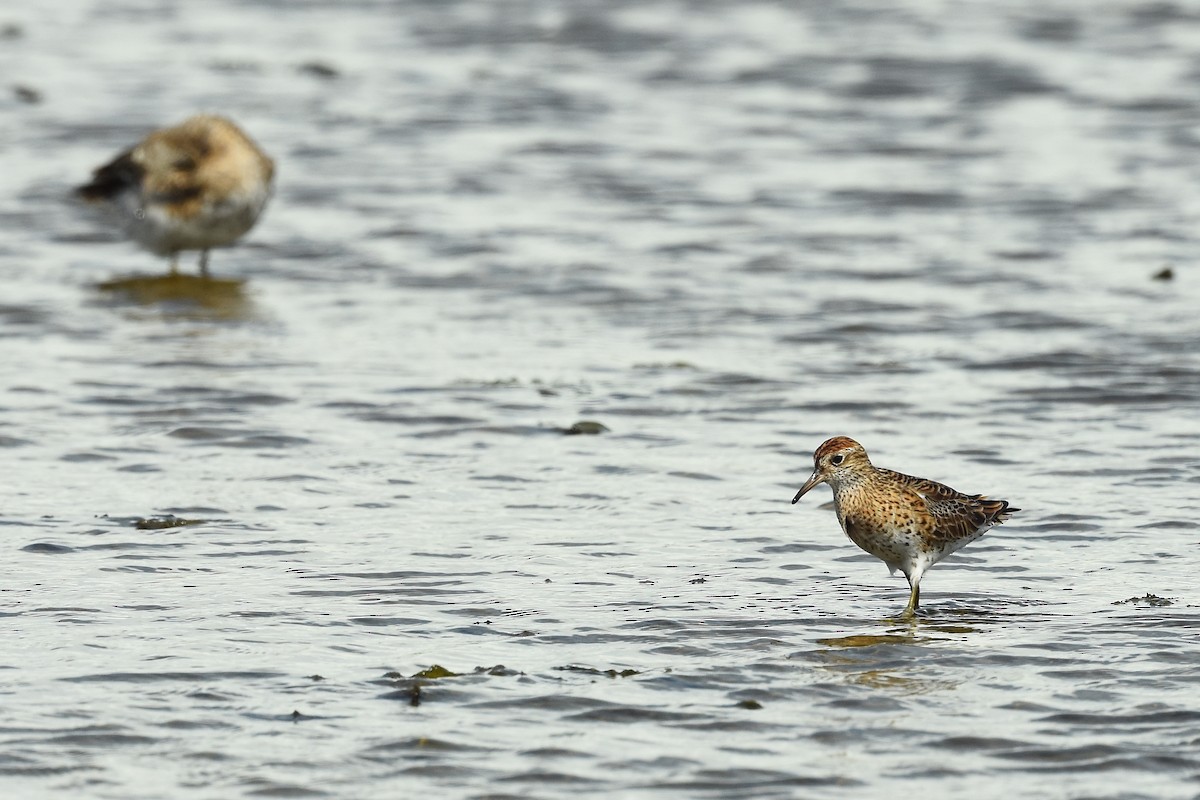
998 510
113 178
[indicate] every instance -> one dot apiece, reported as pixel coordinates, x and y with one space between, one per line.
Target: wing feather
958 517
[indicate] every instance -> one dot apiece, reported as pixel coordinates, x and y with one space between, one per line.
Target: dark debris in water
1147 599
499 670
660 366
164 522
1164 274
610 673
409 688
318 69
585 428
752 705
406 689
27 94
299 716
437 671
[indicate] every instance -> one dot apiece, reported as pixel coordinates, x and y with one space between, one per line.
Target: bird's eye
837 460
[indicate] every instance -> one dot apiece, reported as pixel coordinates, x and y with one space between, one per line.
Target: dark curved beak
815 479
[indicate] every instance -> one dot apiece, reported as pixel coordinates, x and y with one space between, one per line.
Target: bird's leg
914 598
203 263
174 263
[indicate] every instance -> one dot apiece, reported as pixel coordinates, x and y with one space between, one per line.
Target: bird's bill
813 480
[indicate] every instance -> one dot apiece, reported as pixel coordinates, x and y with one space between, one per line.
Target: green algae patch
434 672
585 428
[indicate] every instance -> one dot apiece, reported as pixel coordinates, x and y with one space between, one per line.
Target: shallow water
724 232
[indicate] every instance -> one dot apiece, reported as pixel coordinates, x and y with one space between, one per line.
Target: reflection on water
870 659
870 640
903 685
180 295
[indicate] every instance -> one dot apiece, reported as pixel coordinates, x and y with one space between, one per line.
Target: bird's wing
927 489
957 516
965 517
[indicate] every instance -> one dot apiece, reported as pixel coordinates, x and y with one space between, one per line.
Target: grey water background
725 231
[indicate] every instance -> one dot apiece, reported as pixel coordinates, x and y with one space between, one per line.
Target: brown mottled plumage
198 185
908 523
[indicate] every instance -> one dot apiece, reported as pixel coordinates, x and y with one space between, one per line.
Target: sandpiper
195 186
908 523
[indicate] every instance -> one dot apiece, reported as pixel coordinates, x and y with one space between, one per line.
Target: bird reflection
177 294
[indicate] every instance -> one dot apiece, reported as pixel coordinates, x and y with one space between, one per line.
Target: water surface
723 231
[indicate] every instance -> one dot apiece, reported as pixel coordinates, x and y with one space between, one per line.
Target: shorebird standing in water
198 185
908 523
